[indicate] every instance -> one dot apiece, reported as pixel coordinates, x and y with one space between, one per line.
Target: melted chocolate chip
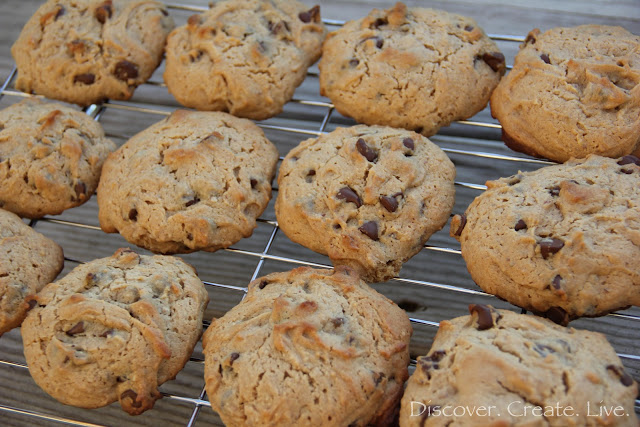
86 78
557 282
312 14
263 284
233 357
530 39
390 203
370 229
337 322
380 22
463 223
408 142
126 70
193 201
78 328
133 396
557 315
80 189
554 191
61 11
520 225
619 371
347 193
550 246
485 320
545 58
104 12
626 160
366 151
495 60
133 214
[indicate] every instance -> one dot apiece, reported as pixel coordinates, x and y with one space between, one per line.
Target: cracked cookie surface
51 156
245 57
83 51
563 240
28 261
572 92
114 329
511 363
307 348
194 181
412 68
367 196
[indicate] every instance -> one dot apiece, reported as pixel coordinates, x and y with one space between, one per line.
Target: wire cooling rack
474 147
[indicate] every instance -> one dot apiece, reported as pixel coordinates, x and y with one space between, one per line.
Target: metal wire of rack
197 403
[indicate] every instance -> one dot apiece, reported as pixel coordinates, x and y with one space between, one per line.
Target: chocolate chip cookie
308 347
572 92
194 181
245 57
563 240
28 261
84 51
51 156
499 368
368 197
114 329
412 68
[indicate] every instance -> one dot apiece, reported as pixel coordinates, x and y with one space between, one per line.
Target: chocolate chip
468 28
626 171
366 151
408 142
557 282
32 303
495 60
337 322
380 22
120 379
78 328
107 333
104 12
530 39
193 201
557 315
437 355
354 62
545 58
463 223
378 377
347 193
133 214
619 371
370 229
485 320
278 28
429 363
133 396
311 173
550 246
80 189
126 70
390 203
86 78
428 411
627 160
263 284
233 357
379 43
520 225
164 12
554 191
61 11
419 129
253 182
194 20
189 236
312 14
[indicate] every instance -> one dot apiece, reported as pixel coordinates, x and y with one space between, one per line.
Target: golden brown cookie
367 196
84 51
308 348
245 57
28 261
572 92
562 241
51 156
193 181
412 68
114 329
499 368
